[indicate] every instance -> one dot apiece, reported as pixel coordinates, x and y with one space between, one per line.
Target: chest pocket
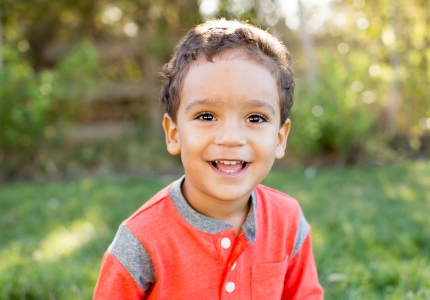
268 280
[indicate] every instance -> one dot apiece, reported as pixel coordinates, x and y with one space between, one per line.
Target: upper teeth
228 162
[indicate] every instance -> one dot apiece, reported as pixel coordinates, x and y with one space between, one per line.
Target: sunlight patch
64 241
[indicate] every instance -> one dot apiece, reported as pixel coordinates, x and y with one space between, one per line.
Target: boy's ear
283 132
172 135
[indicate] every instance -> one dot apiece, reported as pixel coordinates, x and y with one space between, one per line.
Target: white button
234 266
225 243
230 286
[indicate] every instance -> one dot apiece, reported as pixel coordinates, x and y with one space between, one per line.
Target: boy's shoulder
274 206
278 199
151 207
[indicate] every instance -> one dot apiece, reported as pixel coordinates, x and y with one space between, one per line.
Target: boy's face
227 127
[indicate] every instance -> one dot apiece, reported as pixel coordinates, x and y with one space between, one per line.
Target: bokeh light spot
153 13
45 89
292 22
208 8
317 111
424 123
339 19
131 29
362 23
23 46
359 3
415 143
374 70
357 86
111 14
343 48
310 172
368 97
388 36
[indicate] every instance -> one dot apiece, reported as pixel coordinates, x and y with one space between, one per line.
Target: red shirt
167 250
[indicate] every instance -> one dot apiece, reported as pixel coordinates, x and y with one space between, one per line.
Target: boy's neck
232 211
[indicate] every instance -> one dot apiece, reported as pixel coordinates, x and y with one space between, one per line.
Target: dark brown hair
216 36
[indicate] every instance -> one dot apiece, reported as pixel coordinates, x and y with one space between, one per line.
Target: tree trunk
1 37
308 47
394 94
150 68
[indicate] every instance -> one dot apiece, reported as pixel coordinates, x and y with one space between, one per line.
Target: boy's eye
256 118
206 117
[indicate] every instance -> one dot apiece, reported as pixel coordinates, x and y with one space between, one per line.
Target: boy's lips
229 168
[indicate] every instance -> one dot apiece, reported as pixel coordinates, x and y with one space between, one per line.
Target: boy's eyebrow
248 103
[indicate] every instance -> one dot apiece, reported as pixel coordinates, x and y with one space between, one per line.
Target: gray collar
207 224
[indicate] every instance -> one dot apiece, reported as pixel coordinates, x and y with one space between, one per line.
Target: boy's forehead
251 84
236 65
235 53
238 54
229 77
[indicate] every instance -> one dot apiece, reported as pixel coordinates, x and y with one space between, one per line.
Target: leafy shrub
33 104
332 120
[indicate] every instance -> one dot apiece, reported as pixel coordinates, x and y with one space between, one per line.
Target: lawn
371 230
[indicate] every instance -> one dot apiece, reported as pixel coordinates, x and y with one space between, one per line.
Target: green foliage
34 104
77 73
125 155
23 107
356 44
370 229
332 119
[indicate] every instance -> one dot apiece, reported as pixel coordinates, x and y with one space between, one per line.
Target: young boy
216 233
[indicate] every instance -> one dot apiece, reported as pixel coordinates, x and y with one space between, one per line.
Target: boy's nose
230 135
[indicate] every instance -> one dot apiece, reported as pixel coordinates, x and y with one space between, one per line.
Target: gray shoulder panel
134 257
302 232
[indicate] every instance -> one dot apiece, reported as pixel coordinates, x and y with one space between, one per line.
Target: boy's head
228 93
216 36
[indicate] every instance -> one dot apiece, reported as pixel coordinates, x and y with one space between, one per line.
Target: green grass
371 230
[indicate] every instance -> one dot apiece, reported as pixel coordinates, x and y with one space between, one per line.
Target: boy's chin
231 193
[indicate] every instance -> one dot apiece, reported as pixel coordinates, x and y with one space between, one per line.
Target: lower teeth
230 171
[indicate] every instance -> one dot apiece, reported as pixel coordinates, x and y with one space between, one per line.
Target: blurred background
79 81
82 147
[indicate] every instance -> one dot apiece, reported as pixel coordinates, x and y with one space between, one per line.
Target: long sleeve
127 270
301 281
115 282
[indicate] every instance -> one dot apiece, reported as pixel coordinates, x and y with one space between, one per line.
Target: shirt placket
230 250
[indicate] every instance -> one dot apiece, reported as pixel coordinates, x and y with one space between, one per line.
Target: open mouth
229 166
